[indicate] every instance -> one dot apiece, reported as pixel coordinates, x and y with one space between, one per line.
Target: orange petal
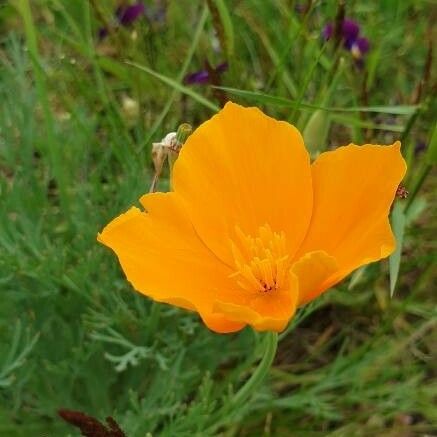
164 259
354 187
269 311
243 168
314 272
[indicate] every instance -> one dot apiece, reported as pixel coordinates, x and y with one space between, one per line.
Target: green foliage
74 335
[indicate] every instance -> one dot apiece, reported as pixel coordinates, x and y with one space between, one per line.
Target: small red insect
402 192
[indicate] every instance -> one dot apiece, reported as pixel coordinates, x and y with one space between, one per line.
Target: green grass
72 332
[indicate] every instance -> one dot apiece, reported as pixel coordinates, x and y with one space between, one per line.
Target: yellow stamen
261 261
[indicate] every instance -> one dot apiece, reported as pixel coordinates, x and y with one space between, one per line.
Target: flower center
261 261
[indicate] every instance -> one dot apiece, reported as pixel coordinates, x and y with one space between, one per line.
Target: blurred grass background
83 96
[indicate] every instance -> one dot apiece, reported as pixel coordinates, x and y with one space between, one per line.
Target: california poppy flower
252 230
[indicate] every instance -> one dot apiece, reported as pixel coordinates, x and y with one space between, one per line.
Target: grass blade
268 99
398 225
431 155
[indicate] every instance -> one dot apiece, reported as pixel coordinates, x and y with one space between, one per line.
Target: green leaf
316 131
268 99
260 98
415 210
348 120
431 155
398 226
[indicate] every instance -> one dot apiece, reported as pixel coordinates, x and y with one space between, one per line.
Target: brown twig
90 426
338 27
217 23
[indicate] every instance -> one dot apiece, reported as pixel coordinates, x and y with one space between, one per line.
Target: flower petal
164 259
243 168
314 272
269 311
354 187
128 14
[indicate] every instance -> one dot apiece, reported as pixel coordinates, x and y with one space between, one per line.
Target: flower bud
159 155
316 131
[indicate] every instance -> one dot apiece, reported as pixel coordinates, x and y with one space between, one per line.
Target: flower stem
271 344
225 414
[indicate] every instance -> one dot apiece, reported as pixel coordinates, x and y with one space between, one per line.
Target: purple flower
327 31
359 47
126 15
198 77
350 31
203 77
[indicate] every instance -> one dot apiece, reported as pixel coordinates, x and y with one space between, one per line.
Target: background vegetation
78 113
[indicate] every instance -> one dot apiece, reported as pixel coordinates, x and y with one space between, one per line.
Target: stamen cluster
261 262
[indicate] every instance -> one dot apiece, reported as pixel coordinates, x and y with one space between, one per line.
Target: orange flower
252 230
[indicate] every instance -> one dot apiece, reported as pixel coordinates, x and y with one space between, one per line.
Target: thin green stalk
271 345
196 38
250 386
286 52
301 315
306 82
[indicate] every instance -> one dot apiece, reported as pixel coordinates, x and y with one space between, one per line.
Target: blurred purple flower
327 31
359 47
203 77
350 31
126 15
420 147
102 33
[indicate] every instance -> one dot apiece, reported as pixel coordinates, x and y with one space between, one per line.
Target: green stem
271 344
224 414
